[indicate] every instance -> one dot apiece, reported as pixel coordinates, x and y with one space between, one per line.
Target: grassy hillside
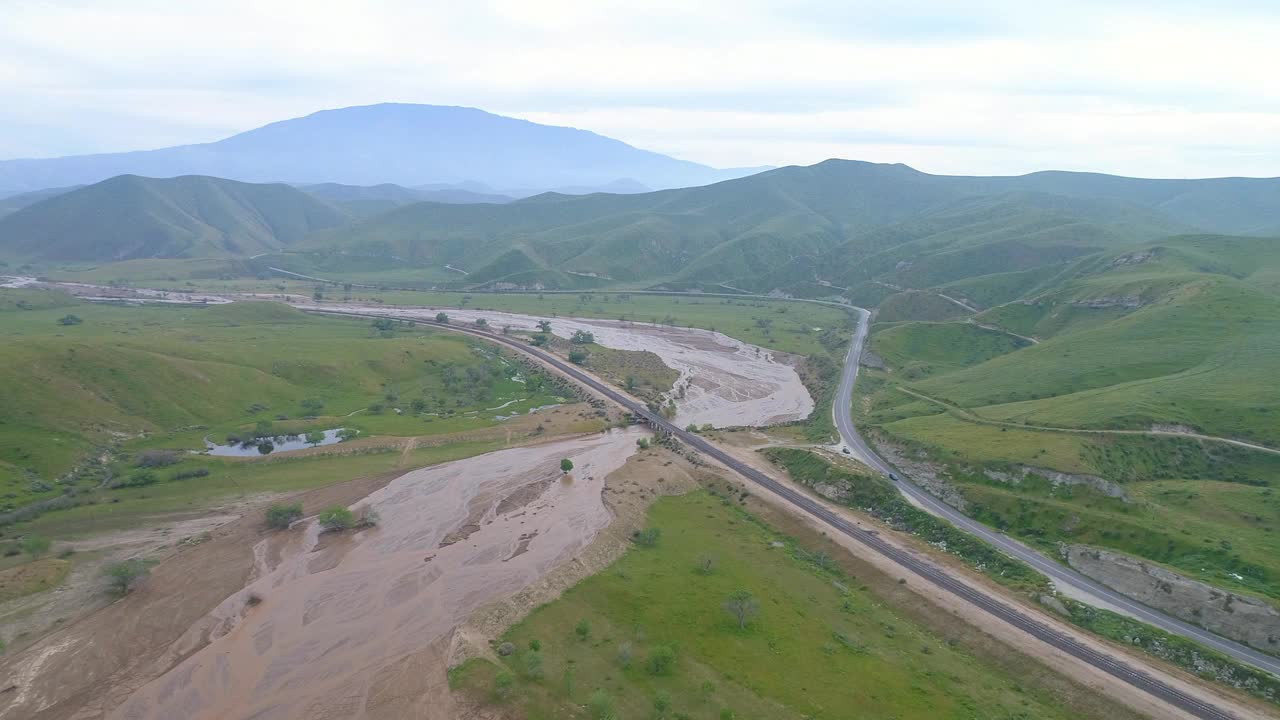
130 217
1177 334
124 378
839 221
822 639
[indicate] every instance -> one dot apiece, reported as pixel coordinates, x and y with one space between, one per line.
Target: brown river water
330 618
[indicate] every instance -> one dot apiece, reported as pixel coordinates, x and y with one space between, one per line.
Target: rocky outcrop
1103 486
915 464
1246 619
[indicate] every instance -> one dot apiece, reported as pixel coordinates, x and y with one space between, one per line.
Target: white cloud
1139 87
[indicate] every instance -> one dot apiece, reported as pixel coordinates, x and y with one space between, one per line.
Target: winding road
1002 610
1059 574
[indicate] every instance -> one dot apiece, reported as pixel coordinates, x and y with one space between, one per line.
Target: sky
1154 88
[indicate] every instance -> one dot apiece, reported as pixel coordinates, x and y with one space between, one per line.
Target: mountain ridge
405 144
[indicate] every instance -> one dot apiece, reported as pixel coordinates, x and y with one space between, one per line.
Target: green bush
281 516
337 518
661 660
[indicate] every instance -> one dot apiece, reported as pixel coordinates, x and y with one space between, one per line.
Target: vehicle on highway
894 477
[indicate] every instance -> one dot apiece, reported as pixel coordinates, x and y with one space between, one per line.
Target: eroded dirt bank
331 623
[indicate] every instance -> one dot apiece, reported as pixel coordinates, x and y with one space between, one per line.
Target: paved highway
1060 574
1018 618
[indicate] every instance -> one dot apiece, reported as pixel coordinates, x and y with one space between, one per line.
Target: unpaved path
970 416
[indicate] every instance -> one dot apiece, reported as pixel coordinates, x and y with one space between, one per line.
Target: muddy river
729 382
324 628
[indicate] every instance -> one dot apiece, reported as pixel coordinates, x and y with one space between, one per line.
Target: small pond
267 446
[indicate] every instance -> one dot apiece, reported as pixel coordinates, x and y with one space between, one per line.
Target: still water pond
267 446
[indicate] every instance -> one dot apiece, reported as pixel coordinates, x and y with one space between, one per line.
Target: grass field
822 646
125 379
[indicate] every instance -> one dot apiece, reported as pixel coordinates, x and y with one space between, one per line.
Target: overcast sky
1165 88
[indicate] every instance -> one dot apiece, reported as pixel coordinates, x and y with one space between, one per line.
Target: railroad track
926 570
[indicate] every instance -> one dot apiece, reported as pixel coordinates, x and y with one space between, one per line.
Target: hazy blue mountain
131 217
390 143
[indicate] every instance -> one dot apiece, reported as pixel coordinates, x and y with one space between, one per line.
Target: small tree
281 516
337 518
318 295
582 337
577 357
35 545
540 340
566 465
582 629
383 324
442 318
124 576
630 383
544 326
742 606
314 438
346 434
482 323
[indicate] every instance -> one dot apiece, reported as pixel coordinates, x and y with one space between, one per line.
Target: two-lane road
1059 574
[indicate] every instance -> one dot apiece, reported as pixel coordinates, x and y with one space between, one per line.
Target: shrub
535 645
337 518
661 703
582 629
124 576
190 473
281 516
502 683
566 465
647 537
157 458
661 659
601 705
442 318
69 320
533 665
34 545
366 516
142 478
577 357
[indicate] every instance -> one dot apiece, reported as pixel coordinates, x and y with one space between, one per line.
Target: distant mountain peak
400 143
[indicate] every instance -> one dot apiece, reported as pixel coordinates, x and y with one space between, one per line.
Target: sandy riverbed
337 614
729 382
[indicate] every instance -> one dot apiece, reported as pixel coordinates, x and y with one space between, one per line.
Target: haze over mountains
407 145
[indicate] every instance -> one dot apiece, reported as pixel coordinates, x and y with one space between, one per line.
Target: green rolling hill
130 217
834 224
